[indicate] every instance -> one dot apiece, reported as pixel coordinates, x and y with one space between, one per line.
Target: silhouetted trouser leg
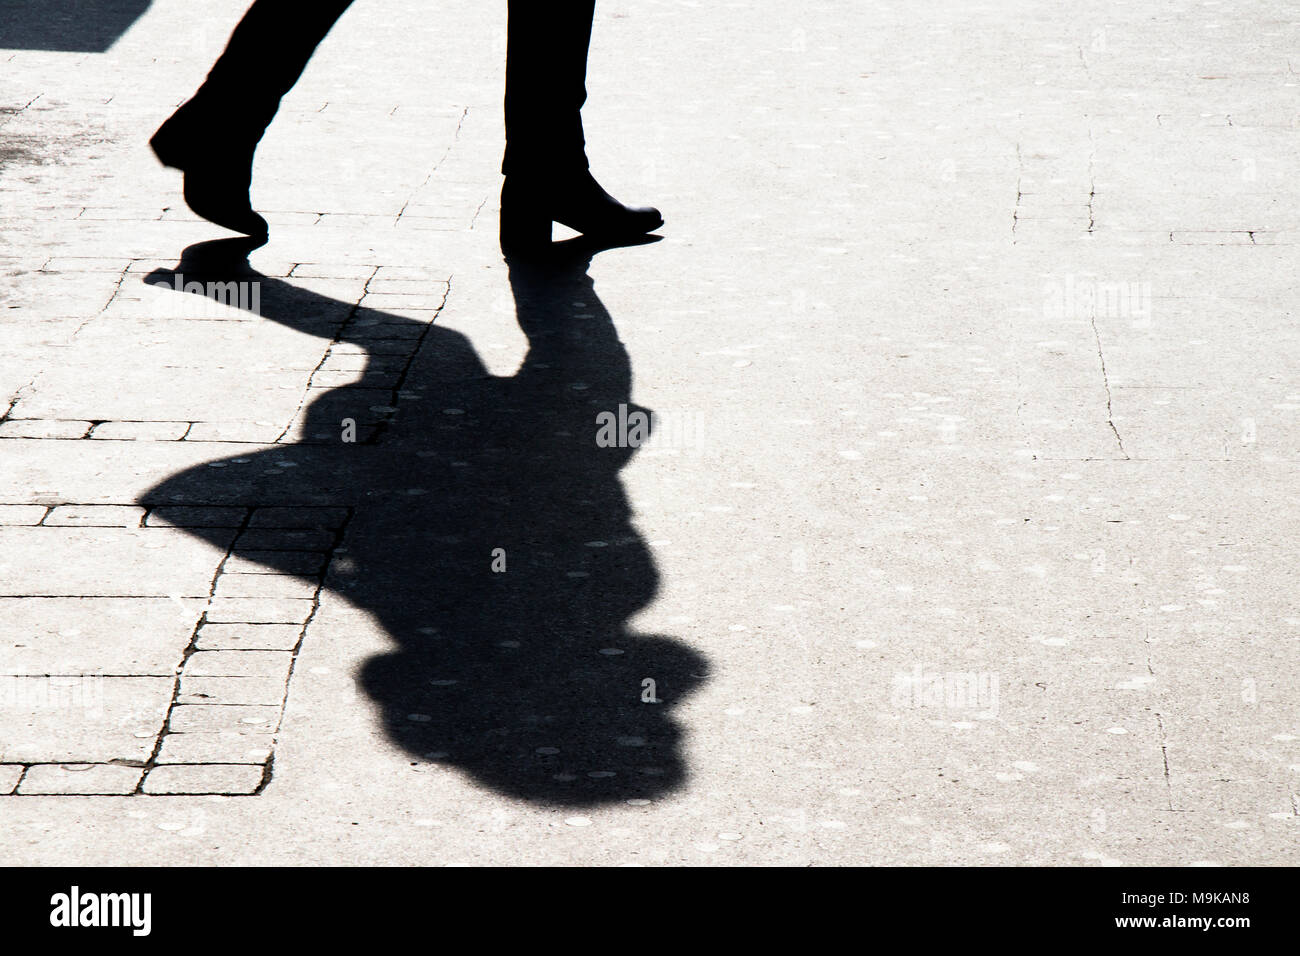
546 85
265 56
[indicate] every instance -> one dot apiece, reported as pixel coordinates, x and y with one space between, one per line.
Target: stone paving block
323 379
382 345
43 428
95 516
195 517
291 539
145 636
227 610
243 432
369 324
397 273
22 514
272 664
90 472
85 264
431 223
110 562
366 406
341 361
405 319
225 748
151 392
323 270
140 431
81 717
80 779
231 690
194 344
231 779
291 518
9 775
284 218
385 284
264 586
248 637
275 562
216 718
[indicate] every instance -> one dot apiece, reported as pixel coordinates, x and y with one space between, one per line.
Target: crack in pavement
1105 381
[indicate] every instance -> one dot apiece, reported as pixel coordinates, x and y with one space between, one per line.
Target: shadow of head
490 537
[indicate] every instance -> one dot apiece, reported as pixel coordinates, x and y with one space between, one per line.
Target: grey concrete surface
970 521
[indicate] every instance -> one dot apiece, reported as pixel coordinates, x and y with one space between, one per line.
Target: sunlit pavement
967 533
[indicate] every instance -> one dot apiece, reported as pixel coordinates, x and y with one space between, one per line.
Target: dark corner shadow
67 26
528 679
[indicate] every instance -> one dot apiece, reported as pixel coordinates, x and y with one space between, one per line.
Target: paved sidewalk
967 533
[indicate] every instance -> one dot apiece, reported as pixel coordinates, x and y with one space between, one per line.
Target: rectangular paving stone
325 270
178 338
258 611
429 299
409 274
298 518
274 664
231 779
107 779
85 718
230 748
232 690
382 283
386 345
270 539
195 517
324 378
110 562
241 432
95 516
359 361
140 431
248 637
148 391
208 718
43 428
85 264
22 514
265 586
145 636
9 775
275 562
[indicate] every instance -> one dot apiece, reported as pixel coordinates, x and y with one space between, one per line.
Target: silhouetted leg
546 85
213 137
265 56
546 160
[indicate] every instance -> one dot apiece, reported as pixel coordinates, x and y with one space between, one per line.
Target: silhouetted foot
529 206
218 168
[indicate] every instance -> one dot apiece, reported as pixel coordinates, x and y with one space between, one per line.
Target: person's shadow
490 537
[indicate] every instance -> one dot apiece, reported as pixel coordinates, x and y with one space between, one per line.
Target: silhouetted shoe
529 207
218 170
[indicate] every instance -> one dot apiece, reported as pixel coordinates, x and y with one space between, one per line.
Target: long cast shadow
491 538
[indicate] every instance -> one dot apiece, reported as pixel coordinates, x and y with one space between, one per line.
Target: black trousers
546 74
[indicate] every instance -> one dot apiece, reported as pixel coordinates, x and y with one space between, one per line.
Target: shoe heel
524 225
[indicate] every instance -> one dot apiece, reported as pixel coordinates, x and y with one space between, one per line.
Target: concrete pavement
966 536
